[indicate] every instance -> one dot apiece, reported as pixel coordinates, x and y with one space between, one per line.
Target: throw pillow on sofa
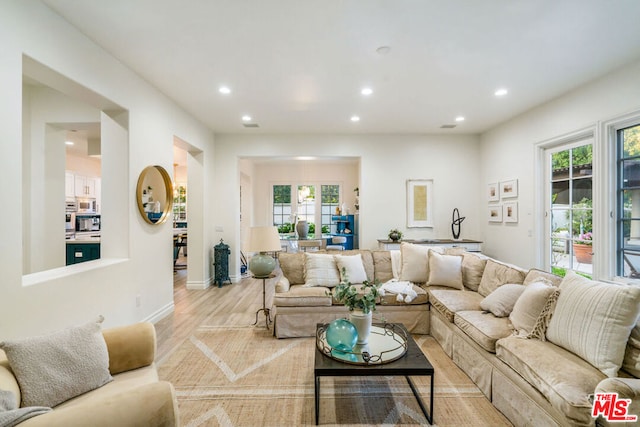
445 270
320 270
594 320
497 274
59 366
501 301
530 314
351 268
415 266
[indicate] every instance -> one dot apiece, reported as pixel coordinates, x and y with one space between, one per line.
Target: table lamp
263 239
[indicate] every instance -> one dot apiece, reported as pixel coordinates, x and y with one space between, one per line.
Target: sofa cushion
535 275
383 271
292 265
448 302
497 274
560 376
351 268
320 270
501 301
531 311
594 320
422 297
483 328
472 269
445 270
303 296
56 367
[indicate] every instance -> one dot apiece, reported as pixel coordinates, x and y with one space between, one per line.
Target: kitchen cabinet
69 185
85 186
82 252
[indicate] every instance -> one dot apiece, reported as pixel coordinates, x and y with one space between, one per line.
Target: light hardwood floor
231 304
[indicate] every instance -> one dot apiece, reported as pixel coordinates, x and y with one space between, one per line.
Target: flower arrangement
395 234
357 299
585 238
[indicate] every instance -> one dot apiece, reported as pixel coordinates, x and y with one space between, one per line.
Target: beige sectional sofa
133 397
538 348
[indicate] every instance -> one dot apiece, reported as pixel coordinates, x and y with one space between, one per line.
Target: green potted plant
395 234
361 302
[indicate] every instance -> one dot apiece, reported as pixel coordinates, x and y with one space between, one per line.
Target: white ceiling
298 66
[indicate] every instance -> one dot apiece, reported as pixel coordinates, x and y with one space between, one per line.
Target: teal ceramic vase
341 335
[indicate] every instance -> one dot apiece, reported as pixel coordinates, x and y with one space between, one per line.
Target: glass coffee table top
387 342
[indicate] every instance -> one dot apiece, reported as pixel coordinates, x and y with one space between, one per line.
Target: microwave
87 206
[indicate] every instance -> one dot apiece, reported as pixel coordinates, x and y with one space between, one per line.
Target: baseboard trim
160 314
199 284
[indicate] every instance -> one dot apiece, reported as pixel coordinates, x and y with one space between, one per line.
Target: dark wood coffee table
412 363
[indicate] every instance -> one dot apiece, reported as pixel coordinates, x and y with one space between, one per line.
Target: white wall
508 151
73 296
387 161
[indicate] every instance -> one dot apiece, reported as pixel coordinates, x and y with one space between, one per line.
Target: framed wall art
493 192
510 212
495 213
419 203
509 189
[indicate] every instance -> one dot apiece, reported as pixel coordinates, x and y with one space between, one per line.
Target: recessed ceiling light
69 142
383 50
246 118
459 119
501 92
355 118
225 90
366 91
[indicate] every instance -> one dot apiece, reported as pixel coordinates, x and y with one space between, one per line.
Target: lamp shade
262 239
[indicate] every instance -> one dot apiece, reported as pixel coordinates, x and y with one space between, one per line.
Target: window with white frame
305 205
330 200
570 198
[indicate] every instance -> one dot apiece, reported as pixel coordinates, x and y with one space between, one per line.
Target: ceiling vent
447 126
250 125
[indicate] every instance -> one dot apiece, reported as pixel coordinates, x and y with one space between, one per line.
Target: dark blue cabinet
346 225
82 252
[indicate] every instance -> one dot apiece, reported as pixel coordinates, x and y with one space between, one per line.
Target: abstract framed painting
419 203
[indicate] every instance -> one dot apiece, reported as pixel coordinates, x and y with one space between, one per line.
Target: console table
469 245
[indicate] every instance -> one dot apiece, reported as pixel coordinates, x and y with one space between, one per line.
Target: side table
267 314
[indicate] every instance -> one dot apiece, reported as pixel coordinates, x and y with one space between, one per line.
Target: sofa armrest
627 388
283 285
148 405
130 347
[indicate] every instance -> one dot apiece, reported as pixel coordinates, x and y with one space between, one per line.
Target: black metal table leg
428 416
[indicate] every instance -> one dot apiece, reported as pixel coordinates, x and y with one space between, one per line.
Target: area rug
243 376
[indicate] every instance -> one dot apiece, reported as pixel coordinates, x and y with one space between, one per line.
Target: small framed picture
510 212
493 194
495 213
509 189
